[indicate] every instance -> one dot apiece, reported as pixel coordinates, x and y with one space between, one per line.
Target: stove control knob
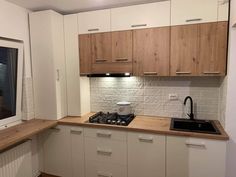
118 122
123 123
113 122
109 121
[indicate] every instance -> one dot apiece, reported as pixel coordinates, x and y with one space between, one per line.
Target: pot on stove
124 108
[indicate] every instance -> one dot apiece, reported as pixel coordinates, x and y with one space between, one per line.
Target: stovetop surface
111 118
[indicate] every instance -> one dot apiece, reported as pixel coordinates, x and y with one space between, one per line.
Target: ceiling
74 6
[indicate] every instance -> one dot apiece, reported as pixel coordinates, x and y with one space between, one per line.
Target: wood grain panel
151 51
18 133
101 47
122 46
213 48
184 50
101 68
85 54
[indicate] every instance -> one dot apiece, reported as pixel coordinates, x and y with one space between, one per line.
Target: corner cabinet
194 157
48 64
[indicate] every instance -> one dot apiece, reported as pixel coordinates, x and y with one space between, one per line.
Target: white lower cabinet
56 151
105 153
146 155
73 151
77 151
193 157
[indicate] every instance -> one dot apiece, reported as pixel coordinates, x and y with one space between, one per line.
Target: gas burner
111 118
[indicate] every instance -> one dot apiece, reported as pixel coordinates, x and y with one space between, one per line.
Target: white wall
14 24
231 97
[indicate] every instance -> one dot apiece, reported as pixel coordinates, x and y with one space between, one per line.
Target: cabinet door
94 21
101 47
151 51
56 145
122 46
195 11
193 157
223 10
213 48
146 155
184 50
153 15
85 54
77 151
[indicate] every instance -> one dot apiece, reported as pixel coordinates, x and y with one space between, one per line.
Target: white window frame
19 46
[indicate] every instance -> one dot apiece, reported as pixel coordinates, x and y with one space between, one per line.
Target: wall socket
173 97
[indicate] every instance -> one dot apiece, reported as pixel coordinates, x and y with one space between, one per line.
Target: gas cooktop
111 118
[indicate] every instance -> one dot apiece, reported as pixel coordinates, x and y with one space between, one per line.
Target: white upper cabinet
223 10
141 16
193 11
94 21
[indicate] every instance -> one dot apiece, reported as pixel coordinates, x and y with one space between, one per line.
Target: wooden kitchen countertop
15 134
159 125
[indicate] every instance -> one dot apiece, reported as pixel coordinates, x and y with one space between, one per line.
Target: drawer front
105 134
141 16
108 151
94 169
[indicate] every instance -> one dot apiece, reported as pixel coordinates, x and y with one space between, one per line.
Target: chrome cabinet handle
194 144
194 20
183 72
104 135
121 59
102 174
209 72
150 73
101 60
76 131
138 25
146 139
104 152
95 29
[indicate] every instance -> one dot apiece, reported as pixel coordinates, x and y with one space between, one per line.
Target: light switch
173 97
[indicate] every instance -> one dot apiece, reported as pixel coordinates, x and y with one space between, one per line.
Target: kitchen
122 89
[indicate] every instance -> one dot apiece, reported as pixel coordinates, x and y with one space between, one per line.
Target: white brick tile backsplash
150 95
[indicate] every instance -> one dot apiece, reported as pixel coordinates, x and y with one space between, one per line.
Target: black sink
199 126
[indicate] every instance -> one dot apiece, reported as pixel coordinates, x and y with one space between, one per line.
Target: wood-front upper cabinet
199 49
85 54
101 47
213 48
151 51
184 50
122 46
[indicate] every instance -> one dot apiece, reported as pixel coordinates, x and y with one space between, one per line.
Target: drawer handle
194 20
55 129
146 140
104 135
183 72
95 29
101 60
58 75
150 73
122 59
76 131
192 144
104 152
138 25
208 72
102 174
